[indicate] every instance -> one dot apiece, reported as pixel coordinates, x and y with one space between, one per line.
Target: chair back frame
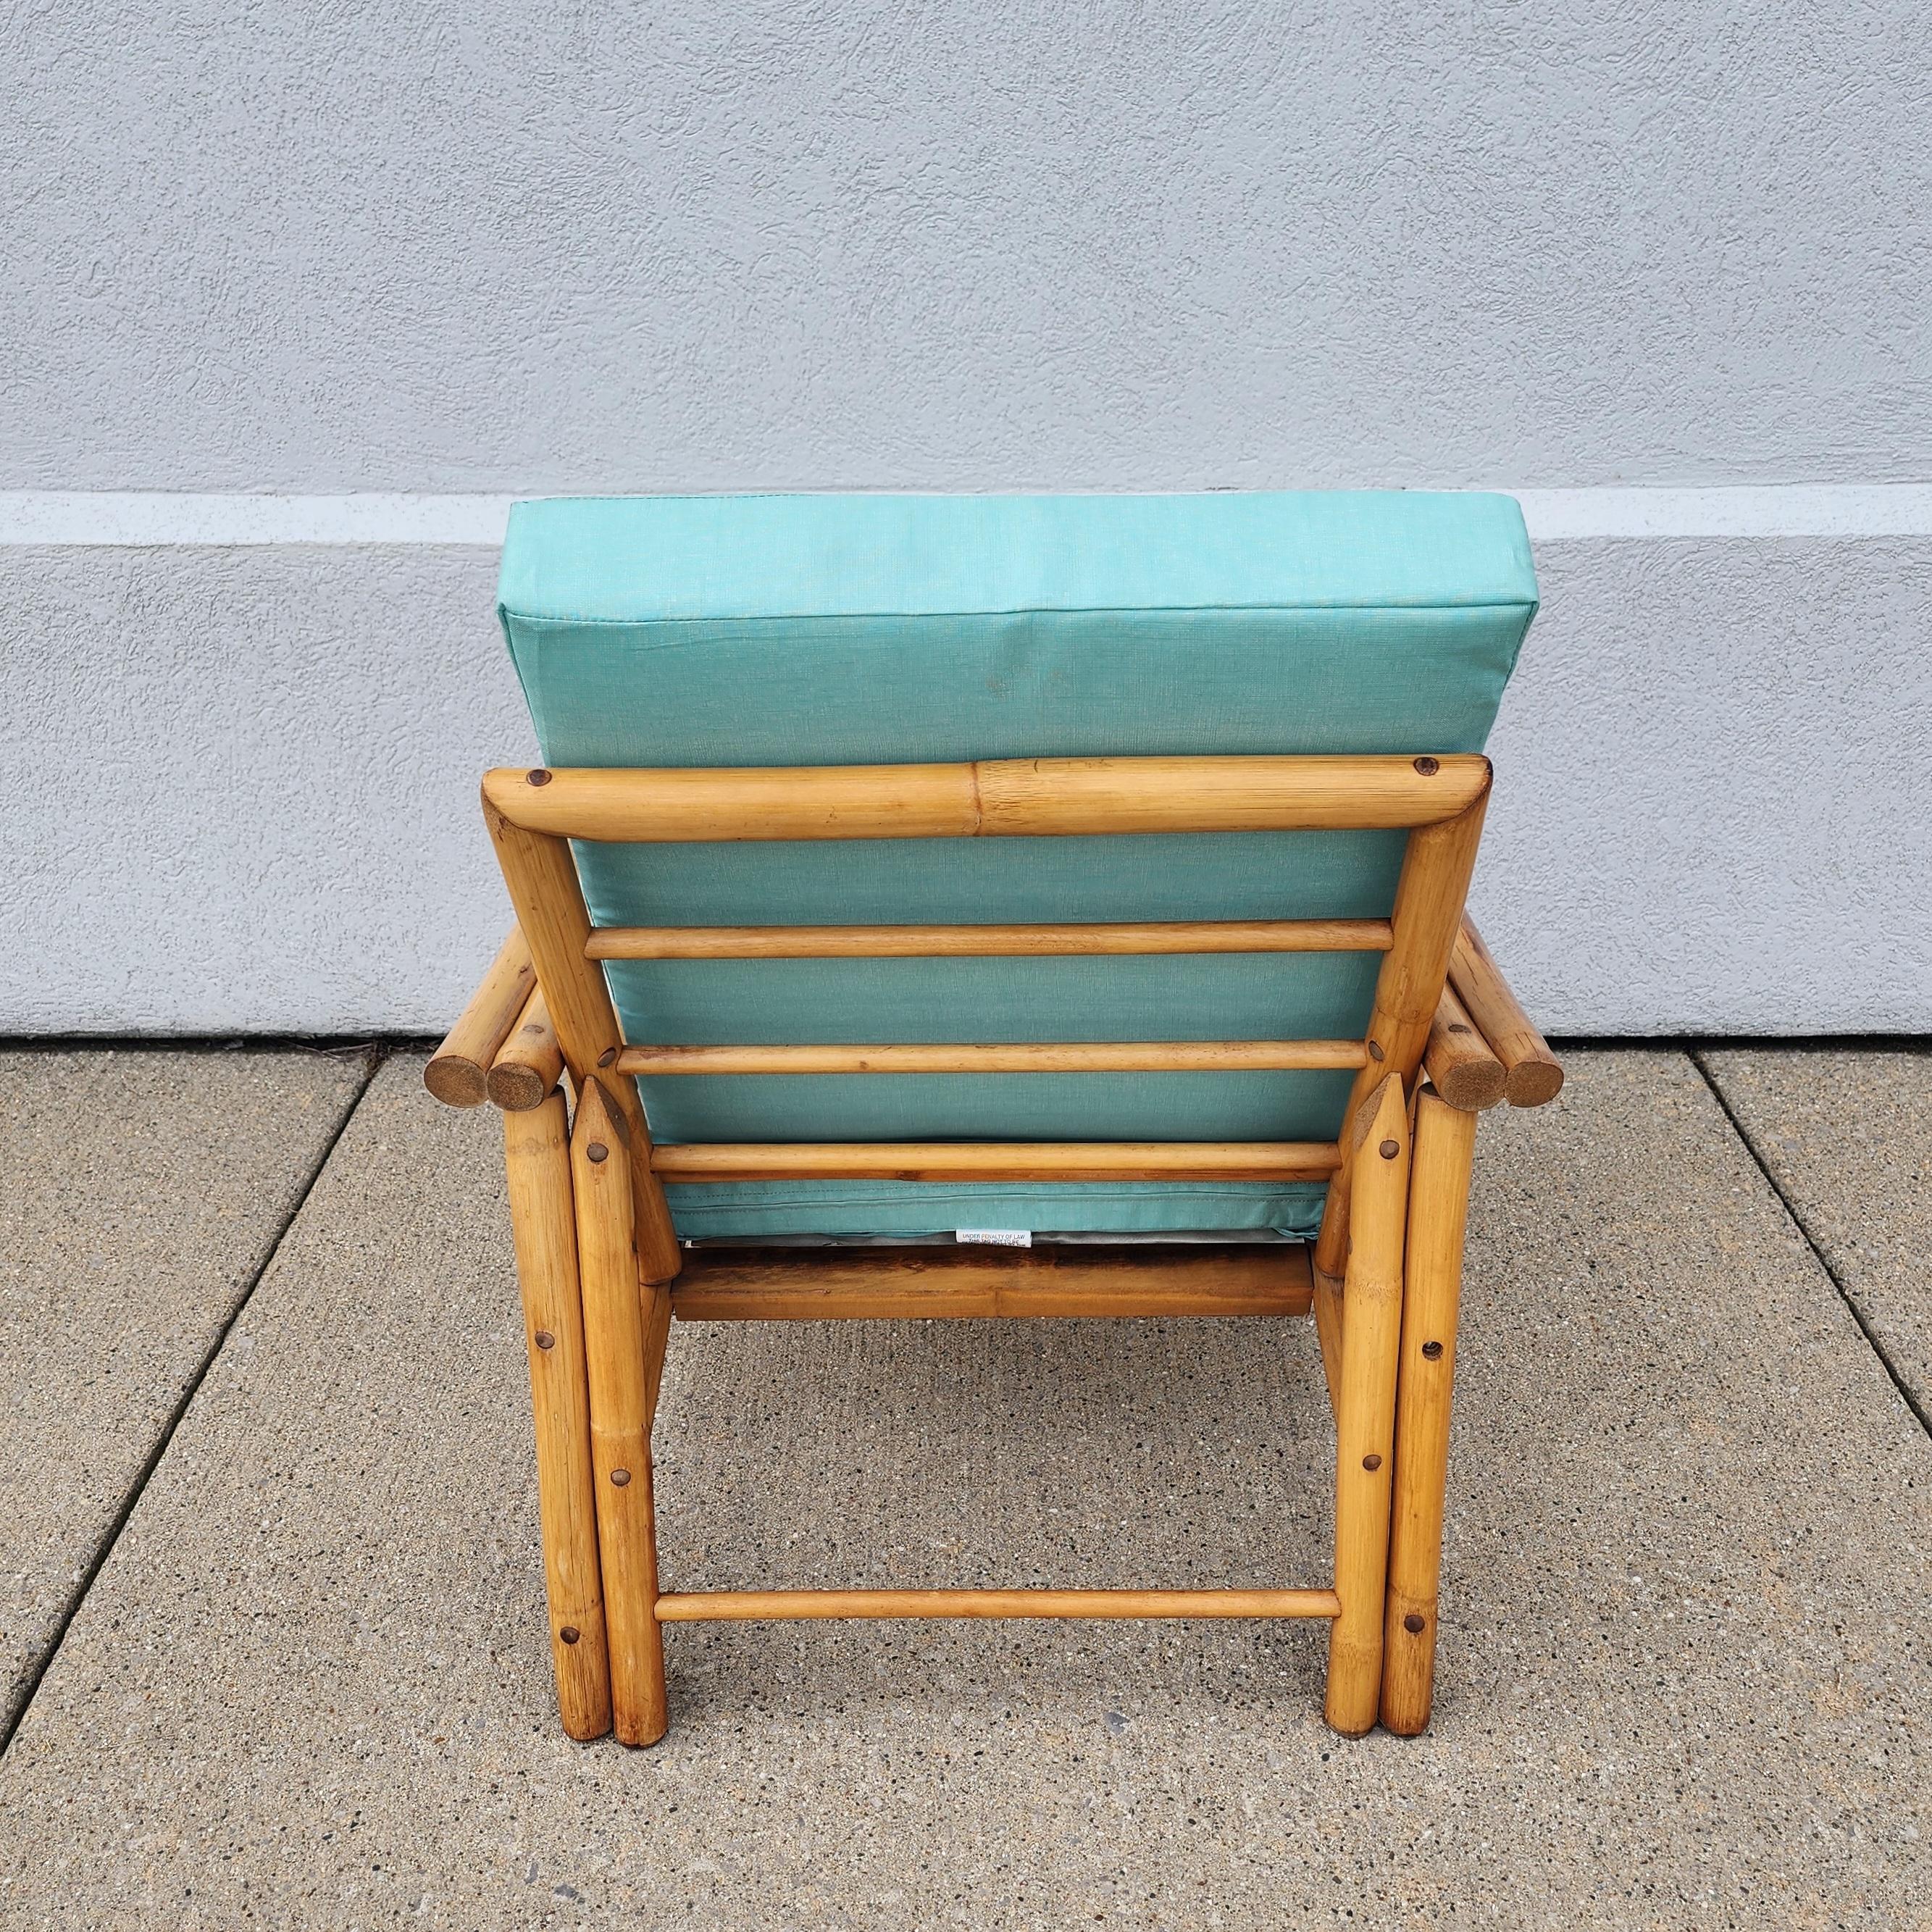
1439 799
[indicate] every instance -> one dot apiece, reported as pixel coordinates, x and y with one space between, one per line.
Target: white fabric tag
997 1237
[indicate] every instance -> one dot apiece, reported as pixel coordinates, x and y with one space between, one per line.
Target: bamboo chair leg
536 1158
1445 1141
618 1334
1365 1418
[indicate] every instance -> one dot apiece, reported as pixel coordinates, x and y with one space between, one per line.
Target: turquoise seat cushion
842 629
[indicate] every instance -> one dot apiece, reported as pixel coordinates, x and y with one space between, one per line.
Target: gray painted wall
322 250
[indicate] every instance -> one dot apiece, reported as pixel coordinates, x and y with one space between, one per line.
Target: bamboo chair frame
603 1276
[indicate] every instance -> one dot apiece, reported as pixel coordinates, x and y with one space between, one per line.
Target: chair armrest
1532 1074
458 1073
1462 1068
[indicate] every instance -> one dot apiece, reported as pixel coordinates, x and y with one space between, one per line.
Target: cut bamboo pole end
1532 1074
1461 1069
749 1606
530 1062
1153 1056
458 1072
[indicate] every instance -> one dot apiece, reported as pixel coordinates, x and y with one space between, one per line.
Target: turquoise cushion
836 629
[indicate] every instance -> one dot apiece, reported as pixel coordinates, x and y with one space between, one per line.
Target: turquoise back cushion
832 630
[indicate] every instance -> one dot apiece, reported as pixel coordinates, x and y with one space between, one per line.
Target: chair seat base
782 1284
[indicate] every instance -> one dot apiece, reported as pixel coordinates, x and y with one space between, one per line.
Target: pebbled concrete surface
140 1192
1684 1680
1847 1136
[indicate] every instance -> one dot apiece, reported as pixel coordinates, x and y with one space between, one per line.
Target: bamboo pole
977 942
917 1283
614 1338
529 1062
997 1160
1154 1056
543 886
536 1159
1532 1075
1012 798
707 1606
1461 1069
1445 1140
1365 1424
1428 896
457 1073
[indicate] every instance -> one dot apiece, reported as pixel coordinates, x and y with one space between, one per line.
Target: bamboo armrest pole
615 1334
1461 1069
458 1075
543 886
530 1064
1365 1421
1428 896
1439 1204
1532 1074
536 1158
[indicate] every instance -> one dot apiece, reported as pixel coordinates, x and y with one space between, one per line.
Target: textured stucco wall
483 247
491 246
275 823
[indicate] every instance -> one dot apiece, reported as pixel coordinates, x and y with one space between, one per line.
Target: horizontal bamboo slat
984 942
737 1606
459 1071
1153 1056
1009 798
975 1283
997 1160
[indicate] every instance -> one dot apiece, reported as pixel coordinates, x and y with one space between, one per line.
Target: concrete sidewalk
1684 1678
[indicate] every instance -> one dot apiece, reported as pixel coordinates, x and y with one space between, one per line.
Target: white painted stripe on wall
151 518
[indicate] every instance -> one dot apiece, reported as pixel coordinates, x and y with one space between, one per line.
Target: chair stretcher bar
706 1606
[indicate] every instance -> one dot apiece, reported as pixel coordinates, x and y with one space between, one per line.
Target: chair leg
1445 1140
618 1334
536 1158
1365 1413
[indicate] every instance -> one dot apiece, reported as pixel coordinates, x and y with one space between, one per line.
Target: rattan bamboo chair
997 907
